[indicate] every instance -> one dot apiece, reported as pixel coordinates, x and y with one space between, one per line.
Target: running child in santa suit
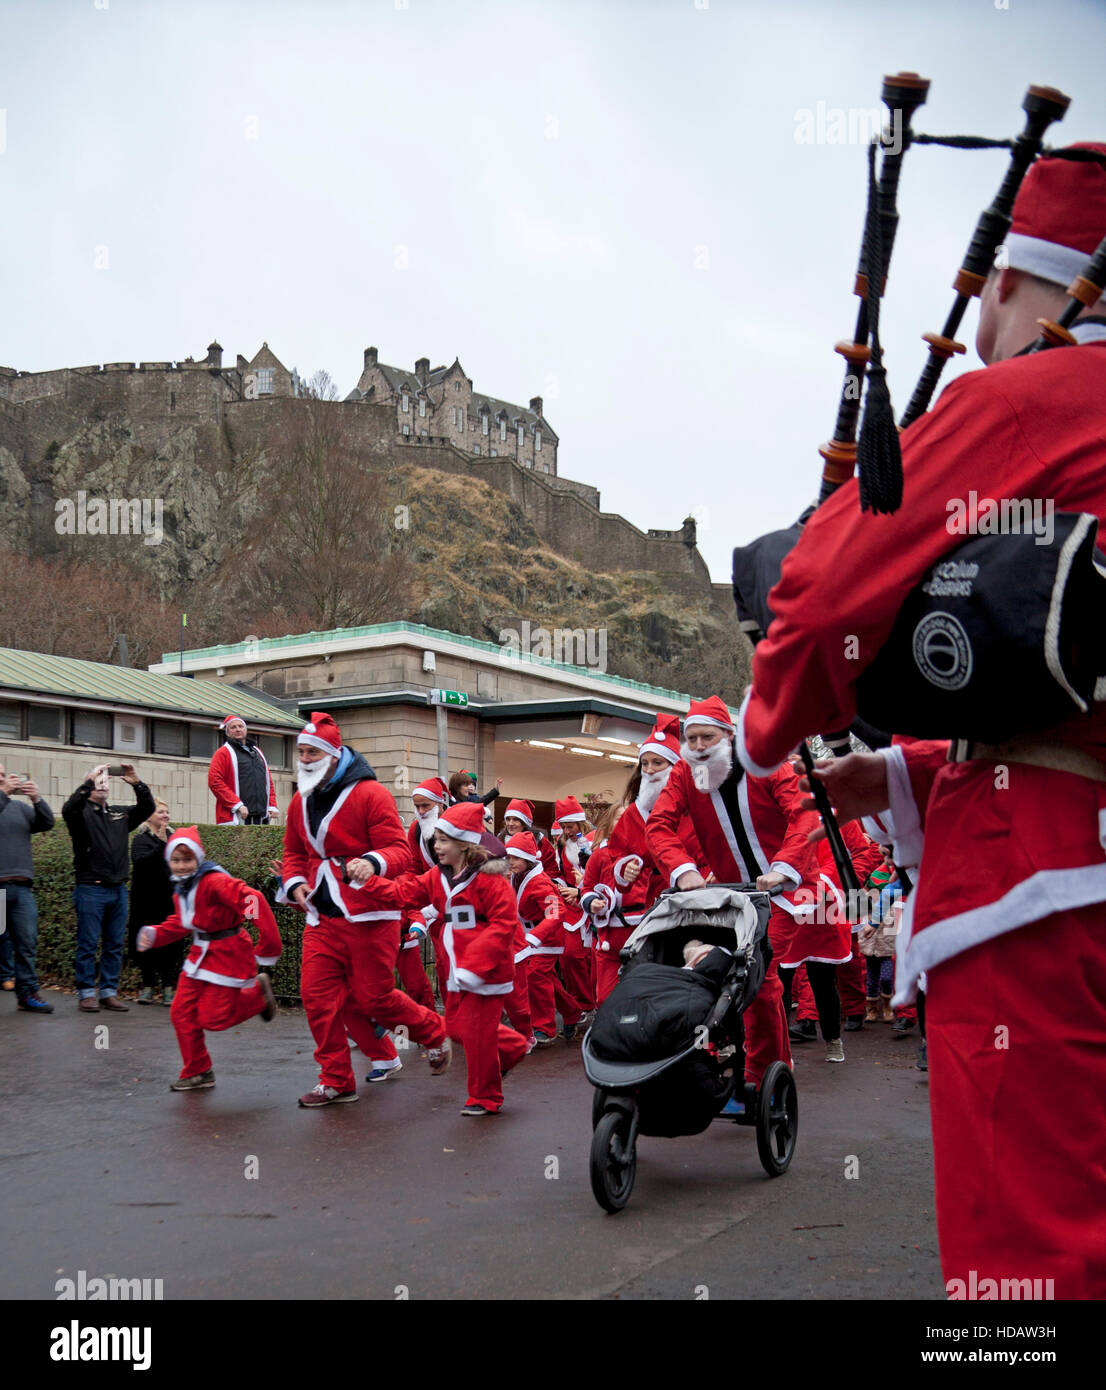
518 819
342 835
578 961
429 800
473 918
219 985
541 917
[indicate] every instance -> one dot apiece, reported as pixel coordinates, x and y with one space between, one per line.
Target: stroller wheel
613 1159
777 1119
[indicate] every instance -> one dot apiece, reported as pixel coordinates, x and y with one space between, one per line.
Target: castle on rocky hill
72 426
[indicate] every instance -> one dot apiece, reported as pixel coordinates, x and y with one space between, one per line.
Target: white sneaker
835 1051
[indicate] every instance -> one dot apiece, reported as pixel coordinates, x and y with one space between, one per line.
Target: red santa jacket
541 912
361 822
215 902
473 924
771 834
995 859
222 778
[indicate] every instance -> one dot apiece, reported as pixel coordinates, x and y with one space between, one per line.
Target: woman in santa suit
518 819
220 985
541 921
470 907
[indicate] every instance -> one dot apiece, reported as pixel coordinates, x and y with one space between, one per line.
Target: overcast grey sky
601 203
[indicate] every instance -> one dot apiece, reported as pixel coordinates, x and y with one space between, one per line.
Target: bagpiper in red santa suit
343 836
232 762
578 961
541 913
219 985
472 913
750 829
1008 914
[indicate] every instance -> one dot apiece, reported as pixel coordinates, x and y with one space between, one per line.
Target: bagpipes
932 652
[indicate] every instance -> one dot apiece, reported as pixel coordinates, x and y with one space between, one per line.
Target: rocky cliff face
482 565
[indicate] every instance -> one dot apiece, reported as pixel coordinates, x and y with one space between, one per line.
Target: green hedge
244 851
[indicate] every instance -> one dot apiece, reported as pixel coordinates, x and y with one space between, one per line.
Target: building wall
182 782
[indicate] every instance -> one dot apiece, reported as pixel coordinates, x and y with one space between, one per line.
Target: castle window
529 463
484 423
422 406
265 381
495 453
424 434
537 443
456 386
406 403
503 431
407 429
476 448
521 434
544 467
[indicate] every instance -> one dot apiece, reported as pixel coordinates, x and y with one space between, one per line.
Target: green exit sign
448 697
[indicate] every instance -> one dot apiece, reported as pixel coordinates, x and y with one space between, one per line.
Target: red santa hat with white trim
1059 217
320 731
522 809
524 846
665 738
187 837
230 720
568 809
465 821
714 711
434 789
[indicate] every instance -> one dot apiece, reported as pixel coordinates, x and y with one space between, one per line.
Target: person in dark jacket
152 901
101 865
17 824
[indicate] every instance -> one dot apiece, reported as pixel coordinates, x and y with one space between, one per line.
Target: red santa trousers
765 1023
363 1032
491 1049
607 963
578 969
413 976
1017 1072
200 1006
516 1005
350 964
852 984
548 997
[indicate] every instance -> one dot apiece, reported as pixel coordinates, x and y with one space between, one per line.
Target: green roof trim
276 644
36 673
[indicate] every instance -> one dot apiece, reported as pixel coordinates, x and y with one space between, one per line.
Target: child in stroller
666 1050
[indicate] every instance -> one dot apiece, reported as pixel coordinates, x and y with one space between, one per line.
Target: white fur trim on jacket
907 849
622 864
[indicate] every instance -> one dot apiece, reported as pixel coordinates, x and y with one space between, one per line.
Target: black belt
216 935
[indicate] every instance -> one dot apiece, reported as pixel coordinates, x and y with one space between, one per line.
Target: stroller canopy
723 909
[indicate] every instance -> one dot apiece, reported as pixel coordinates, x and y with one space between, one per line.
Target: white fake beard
309 775
709 769
427 821
572 853
652 784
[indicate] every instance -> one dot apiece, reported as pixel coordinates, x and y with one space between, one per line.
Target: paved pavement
104 1170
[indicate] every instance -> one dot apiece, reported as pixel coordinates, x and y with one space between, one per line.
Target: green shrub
244 851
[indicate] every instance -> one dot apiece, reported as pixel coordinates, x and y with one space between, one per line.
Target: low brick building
548 728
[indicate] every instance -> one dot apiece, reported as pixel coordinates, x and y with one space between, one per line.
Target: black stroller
666 1052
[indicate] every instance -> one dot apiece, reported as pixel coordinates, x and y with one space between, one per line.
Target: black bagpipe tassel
878 456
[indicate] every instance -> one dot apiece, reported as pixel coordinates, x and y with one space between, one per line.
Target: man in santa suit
240 780
578 961
750 829
1008 915
343 836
